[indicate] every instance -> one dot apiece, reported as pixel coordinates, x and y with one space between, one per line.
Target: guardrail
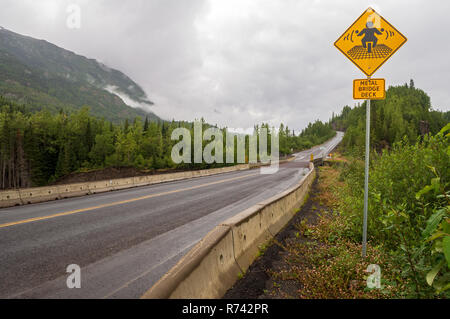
214 264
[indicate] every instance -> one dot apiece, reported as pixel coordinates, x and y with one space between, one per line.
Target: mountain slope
41 74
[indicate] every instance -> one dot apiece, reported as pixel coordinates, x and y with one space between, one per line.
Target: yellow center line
30 220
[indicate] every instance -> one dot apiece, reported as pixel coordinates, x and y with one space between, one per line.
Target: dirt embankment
109 173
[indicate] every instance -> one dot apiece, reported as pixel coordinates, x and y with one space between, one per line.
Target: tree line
405 113
38 148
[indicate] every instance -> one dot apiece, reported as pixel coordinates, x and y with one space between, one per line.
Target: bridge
126 240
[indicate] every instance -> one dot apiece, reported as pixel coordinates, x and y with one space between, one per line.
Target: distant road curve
124 241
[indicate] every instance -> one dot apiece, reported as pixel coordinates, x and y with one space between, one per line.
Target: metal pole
366 181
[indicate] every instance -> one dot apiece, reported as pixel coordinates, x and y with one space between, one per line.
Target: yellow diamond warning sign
370 41
369 89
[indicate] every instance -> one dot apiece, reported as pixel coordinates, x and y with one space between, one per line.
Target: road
124 241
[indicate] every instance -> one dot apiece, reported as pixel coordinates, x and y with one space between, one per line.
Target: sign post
368 43
366 180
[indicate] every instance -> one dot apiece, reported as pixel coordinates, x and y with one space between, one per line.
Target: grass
262 248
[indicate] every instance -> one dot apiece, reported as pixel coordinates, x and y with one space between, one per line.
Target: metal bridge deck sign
369 89
370 41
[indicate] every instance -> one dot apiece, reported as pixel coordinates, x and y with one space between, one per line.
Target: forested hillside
406 112
38 147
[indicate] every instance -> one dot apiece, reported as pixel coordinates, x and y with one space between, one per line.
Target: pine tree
146 124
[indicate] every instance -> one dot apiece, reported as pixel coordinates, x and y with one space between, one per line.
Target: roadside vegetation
409 207
319 255
409 229
409 226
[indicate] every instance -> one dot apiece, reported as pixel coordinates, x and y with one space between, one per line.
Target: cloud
237 63
127 99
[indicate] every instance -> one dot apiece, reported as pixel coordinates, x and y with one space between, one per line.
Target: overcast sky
241 62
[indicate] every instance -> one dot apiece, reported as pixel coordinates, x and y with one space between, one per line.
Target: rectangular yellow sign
369 89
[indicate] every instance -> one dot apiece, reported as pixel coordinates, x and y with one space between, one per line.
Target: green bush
408 191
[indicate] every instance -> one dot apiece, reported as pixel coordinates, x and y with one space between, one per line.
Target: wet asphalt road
124 241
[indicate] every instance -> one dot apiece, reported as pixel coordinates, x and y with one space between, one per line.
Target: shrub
408 192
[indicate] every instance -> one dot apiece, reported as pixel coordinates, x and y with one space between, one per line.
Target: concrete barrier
122 183
39 194
10 198
100 187
210 264
140 181
210 268
25 196
152 179
250 229
73 190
